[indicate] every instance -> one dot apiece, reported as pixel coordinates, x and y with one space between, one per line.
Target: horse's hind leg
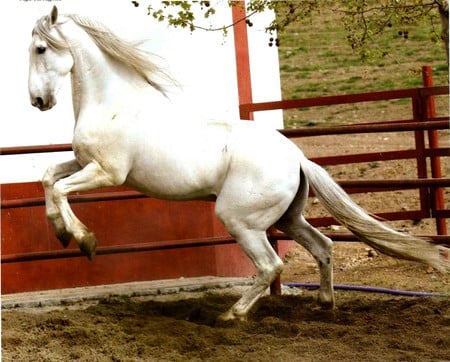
294 224
257 191
247 220
320 248
268 266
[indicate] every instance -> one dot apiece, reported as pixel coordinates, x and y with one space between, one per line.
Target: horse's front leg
92 176
53 174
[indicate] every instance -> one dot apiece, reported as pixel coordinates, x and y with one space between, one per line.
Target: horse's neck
98 80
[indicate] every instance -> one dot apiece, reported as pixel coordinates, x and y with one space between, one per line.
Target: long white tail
369 230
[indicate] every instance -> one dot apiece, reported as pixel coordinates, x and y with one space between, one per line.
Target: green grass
316 60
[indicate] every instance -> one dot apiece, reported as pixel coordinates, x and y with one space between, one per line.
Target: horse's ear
53 15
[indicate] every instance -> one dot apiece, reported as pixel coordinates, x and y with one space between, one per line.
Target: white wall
203 62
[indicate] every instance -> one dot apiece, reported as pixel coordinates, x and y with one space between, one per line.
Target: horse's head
50 61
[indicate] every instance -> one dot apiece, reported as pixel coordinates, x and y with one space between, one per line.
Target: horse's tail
369 230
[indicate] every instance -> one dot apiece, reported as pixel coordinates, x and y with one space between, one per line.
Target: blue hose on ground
312 286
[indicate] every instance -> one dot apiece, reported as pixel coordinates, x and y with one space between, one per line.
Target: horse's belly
178 178
181 163
172 190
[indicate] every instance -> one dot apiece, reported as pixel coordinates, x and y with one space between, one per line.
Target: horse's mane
121 50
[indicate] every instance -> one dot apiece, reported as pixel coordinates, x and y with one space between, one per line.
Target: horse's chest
96 143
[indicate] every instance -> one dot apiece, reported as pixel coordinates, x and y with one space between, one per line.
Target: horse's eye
40 50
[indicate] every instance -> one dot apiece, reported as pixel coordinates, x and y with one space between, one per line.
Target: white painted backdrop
202 62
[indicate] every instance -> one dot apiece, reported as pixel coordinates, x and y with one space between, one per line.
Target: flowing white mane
121 50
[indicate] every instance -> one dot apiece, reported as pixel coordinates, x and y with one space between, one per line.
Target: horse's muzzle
43 105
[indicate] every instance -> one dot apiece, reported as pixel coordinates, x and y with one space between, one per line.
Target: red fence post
244 81
421 160
437 194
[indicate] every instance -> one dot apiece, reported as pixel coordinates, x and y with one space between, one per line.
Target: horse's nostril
39 102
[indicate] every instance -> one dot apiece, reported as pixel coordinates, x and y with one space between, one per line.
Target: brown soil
364 326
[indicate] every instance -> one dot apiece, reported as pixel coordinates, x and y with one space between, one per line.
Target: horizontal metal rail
246 109
22 150
90 197
441 123
379 156
398 184
168 245
372 185
119 249
384 216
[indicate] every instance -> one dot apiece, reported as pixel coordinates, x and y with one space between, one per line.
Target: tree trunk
443 12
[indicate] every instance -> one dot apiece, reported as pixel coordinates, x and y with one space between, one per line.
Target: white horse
257 177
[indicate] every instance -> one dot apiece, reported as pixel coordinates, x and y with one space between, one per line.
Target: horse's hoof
327 304
231 316
64 238
227 316
88 244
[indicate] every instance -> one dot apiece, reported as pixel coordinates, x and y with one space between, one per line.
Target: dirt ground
363 327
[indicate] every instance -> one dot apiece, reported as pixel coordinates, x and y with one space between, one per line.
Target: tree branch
225 26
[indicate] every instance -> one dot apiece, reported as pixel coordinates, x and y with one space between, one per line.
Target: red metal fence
430 188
